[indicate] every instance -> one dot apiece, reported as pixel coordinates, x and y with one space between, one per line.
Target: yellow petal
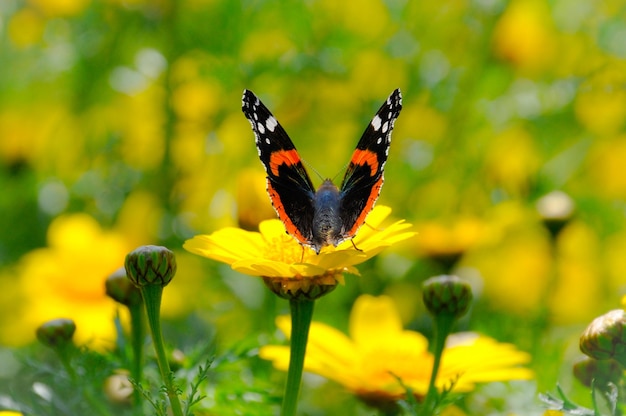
271 229
226 245
373 318
329 352
476 359
262 267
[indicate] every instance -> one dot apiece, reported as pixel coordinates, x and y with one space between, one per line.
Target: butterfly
329 215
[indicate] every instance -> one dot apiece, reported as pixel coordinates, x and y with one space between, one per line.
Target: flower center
284 249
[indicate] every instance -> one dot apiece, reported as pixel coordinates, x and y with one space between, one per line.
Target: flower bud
604 338
177 359
603 372
556 210
117 388
119 288
309 288
150 265
56 332
447 295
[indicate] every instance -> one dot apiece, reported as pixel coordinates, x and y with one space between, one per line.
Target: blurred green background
120 125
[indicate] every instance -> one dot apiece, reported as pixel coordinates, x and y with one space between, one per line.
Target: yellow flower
66 280
379 350
252 199
60 8
277 257
600 106
25 28
447 242
524 35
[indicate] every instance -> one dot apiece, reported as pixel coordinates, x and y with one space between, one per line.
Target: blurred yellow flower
577 293
197 100
422 122
600 105
21 141
605 162
515 261
271 44
143 137
25 28
66 280
60 8
272 253
448 242
252 202
365 69
512 160
367 19
378 350
524 35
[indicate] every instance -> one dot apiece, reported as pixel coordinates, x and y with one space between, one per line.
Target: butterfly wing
288 184
364 177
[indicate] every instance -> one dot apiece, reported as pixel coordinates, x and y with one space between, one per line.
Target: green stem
301 315
443 326
152 299
136 339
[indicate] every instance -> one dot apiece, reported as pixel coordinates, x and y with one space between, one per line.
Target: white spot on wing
271 123
376 122
261 128
385 127
267 140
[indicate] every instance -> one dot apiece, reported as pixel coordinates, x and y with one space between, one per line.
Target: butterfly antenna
311 168
334 178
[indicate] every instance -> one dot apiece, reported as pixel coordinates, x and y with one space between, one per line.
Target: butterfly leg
370 227
354 245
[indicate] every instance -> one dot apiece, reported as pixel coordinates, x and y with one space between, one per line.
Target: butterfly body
331 214
327 225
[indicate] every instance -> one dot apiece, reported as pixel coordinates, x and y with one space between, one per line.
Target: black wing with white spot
364 177
288 184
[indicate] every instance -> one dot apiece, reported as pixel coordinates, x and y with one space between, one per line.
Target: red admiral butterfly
329 215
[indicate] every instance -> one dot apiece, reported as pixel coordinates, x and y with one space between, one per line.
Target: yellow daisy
379 351
287 267
66 280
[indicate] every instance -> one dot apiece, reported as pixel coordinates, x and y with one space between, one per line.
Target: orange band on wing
283 157
282 214
366 210
361 157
